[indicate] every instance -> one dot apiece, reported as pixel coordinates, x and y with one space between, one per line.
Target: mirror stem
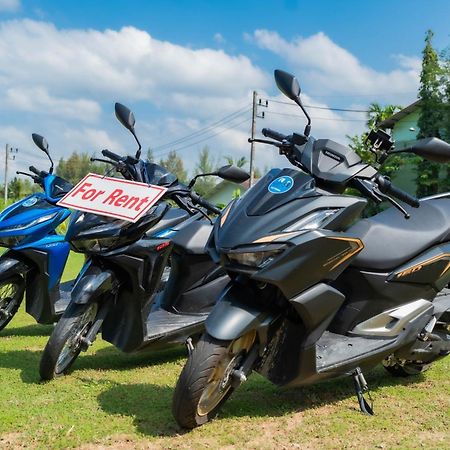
51 162
192 182
308 125
138 153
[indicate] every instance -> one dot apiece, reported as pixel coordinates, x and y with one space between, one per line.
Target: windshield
158 175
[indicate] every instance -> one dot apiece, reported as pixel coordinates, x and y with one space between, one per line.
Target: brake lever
392 202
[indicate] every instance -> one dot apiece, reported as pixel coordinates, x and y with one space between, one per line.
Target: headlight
33 223
11 241
257 258
312 221
93 245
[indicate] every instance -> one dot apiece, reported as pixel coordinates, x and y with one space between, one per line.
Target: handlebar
111 155
202 202
34 170
267 132
386 187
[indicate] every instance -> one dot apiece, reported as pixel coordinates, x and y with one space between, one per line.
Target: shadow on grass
27 330
27 361
150 405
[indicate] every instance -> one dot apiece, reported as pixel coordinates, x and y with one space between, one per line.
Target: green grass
123 401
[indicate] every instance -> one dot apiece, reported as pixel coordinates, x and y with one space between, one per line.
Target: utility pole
252 144
6 172
8 152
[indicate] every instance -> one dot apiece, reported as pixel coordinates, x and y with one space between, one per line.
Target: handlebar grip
111 155
34 170
267 132
202 202
387 187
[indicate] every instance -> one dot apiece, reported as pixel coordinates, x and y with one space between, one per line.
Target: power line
322 107
204 139
226 119
316 118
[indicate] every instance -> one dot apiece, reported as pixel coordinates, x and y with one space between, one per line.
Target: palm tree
240 162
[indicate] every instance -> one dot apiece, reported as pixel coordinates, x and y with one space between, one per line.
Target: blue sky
182 65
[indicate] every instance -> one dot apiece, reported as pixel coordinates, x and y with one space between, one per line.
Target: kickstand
360 388
189 345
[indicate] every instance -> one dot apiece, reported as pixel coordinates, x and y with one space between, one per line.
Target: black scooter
115 291
313 297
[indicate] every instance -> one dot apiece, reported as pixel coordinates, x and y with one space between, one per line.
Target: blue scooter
37 255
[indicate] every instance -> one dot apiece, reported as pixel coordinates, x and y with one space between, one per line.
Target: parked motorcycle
37 255
314 296
116 289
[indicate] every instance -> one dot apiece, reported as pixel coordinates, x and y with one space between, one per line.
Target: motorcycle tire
12 291
65 343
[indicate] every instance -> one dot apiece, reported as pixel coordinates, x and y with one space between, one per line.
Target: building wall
402 132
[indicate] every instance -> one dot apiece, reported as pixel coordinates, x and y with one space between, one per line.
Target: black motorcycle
315 295
116 290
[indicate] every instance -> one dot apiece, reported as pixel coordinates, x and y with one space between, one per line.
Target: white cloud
329 68
9 5
89 140
38 100
127 63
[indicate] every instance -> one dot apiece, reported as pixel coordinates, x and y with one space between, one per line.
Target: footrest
334 350
162 322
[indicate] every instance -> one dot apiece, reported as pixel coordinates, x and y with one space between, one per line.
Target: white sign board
112 197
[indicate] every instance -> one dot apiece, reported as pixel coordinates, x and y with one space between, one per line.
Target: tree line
77 165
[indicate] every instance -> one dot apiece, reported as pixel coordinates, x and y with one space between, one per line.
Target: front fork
95 284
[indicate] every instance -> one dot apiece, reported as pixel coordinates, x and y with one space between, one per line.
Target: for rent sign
112 197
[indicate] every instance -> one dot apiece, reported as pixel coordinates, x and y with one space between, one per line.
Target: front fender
10 265
92 283
235 313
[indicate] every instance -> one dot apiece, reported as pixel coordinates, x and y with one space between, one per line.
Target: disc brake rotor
219 382
73 343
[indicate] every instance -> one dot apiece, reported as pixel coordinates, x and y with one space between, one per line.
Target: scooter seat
391 240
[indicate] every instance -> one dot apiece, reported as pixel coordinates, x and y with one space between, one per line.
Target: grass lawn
113 400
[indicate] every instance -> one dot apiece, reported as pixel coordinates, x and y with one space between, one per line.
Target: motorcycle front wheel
205 382
12 290
65 343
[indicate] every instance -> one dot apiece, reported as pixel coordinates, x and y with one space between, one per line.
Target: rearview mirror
125 116
287 84
233 173
40 142
433 149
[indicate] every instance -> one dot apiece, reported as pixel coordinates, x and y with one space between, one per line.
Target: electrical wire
321 107
183 147
226 119
316 118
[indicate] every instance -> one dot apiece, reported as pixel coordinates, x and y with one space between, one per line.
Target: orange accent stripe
427 262
272 237
359 247
224 216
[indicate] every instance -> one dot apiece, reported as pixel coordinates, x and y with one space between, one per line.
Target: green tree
19 188
150 155
376 114
431 115
174 164
77 166
205 164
